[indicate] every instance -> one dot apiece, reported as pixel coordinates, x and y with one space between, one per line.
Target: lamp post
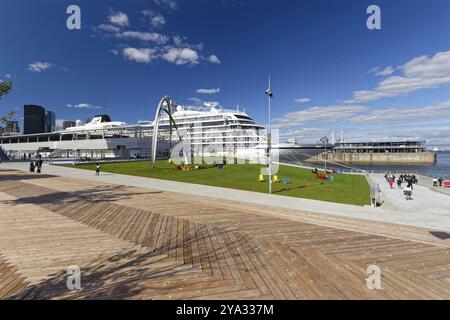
269 94
324 140
387 152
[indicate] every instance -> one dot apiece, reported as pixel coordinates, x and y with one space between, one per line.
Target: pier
391 152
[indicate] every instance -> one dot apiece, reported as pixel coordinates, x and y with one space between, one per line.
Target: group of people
409 179
437 182
36 166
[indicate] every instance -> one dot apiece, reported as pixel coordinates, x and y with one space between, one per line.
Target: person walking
391 182
39 165
409 184
399 183
97 169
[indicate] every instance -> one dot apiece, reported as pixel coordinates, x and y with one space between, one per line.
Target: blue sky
328 70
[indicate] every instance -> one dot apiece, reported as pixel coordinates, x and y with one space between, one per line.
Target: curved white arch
166 106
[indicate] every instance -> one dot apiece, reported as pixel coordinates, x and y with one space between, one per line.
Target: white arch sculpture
166 106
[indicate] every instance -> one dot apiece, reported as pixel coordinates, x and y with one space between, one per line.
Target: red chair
446 184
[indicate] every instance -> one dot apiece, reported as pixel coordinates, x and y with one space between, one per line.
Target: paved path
425 201
412 218
428 182
138 243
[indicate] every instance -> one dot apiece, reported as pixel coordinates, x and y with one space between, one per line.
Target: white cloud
385 72
302 100
210 104
168 4
83 106
143 55
155 46
144 36
304 134
319 114
214 59
404 115
181 42
419 73
382 72
39 66
195 100
181 56
108 28
6 76
200 105
363 123
399 132
156 19
208 91
119 18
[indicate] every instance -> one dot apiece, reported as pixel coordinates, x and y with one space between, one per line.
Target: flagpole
270 139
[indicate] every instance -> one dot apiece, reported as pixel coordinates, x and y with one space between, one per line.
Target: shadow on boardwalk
33 194
132 274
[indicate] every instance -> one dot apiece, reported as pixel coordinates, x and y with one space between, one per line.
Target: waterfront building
50 121
34 119
379 152
381 147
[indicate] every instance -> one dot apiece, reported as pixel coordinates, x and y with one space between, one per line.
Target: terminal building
381 147
378 152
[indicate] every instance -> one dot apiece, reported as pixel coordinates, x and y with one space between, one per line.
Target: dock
144 243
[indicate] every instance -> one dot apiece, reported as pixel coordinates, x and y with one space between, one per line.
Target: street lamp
324 140
387 152
269 94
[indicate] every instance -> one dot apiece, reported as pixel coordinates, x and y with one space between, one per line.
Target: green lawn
347 189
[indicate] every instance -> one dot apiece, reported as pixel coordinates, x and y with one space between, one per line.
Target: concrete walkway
435 219
428 182
425 200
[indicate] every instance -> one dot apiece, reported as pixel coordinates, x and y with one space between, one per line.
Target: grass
346 189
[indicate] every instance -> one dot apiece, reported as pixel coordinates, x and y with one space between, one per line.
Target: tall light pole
387 152
269 137
324 140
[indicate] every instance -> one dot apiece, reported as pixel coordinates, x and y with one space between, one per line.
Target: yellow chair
261 178
275 178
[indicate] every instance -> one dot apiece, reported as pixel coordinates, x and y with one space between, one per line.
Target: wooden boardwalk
133 243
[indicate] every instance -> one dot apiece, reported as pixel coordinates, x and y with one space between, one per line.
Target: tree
7 118
5 87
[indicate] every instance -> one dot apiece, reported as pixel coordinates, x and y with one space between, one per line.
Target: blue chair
286 181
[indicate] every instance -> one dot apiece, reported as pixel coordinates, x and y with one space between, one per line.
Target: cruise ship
215 132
